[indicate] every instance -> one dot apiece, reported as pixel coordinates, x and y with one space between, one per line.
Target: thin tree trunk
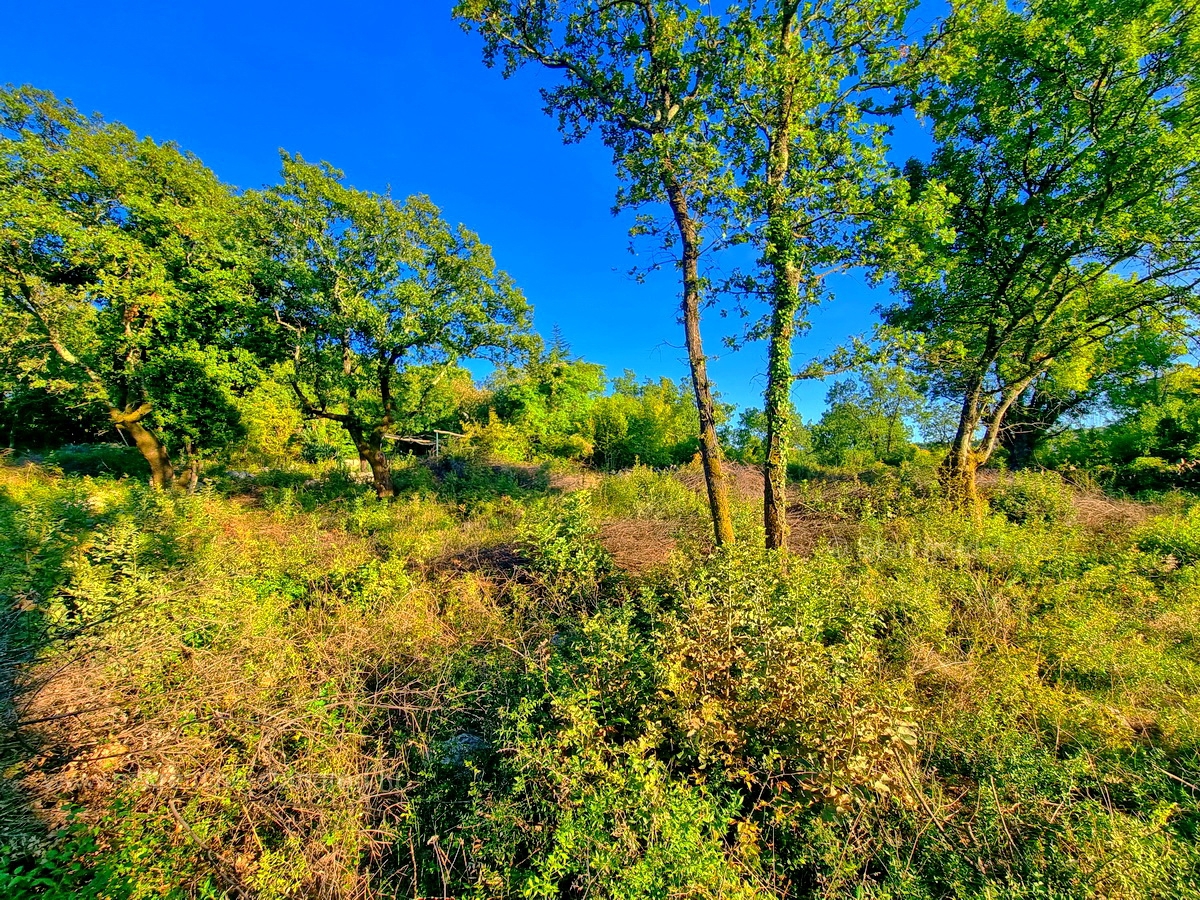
777 400
710 447
780 253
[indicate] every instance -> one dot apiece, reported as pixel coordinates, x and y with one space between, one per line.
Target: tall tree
122 268
640 71
799 84
365 287
1068 131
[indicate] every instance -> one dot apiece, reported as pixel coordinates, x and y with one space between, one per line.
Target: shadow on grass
46 524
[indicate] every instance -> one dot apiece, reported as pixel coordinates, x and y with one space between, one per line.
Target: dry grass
808 531
262 754
1100 513
638 545
745 481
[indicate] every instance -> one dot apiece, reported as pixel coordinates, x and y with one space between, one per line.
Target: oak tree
365 288
122 273
1068 132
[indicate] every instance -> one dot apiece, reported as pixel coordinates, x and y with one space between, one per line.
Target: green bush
1177 537
643 493
1149 473
95 460
1034 497
559 541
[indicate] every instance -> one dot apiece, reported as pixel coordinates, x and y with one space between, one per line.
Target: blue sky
395 94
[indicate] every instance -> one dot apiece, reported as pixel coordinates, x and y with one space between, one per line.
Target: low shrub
559 540
1176 537
1033 497
115 460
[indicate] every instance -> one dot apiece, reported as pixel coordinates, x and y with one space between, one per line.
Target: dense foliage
464 692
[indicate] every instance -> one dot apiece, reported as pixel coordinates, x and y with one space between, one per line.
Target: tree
122 267
870 415
1083 381
653 422
365 288
1068 132
798 87
639 71
551 399
747 441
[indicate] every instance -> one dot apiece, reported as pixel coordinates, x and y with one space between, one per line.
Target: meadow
520 681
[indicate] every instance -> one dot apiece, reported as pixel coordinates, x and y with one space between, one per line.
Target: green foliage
117 460
1175 537
377 302
642 492
871 719
1033 497
127 278
559 539
62 870
654 423
1154 442
1063 172
550 400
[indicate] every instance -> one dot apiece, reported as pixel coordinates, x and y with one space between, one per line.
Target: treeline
1043 258
1055 215
139 288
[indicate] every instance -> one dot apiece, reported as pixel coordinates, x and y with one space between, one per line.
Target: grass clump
1033 497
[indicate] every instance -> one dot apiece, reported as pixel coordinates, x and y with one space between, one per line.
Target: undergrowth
282 687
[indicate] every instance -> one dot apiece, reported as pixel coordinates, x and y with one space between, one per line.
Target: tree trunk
710 447
381 472
162 473
1028 424
1019 441
370 453
957 472
777 401
780 254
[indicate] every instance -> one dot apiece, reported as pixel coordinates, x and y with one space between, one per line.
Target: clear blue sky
396 95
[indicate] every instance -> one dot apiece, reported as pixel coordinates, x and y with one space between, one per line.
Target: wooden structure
420 445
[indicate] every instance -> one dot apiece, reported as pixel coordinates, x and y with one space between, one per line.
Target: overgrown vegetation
290 688
556 634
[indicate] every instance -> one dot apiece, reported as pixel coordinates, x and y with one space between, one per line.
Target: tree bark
370 453
1020 440
957 472
162 473
780 255
710 447
777 401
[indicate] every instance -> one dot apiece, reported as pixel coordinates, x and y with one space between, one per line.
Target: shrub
643 493
559 540
1177 537
1034 497
95 460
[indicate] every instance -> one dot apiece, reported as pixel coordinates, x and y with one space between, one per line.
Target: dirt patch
498 562
638 545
